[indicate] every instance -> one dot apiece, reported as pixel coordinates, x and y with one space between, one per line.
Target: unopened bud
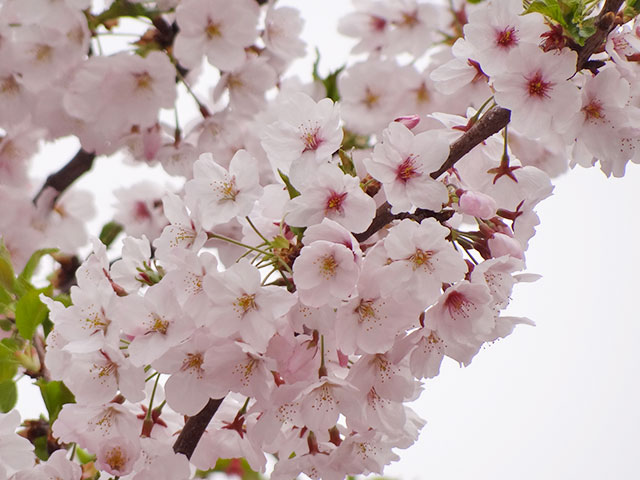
409 121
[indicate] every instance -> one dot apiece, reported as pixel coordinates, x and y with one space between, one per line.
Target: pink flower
217 29
463 314
403 162
324 273
304 135
537 92
332 195
217 195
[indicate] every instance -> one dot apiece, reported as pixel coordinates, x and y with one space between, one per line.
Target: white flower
403 162
537 92
216 28
217 195
332 195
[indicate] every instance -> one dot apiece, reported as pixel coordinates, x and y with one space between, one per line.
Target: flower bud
409 121
477 204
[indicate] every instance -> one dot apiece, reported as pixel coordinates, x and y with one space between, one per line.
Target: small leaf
7 276
30 312
8 363
293 193
346 163
8 395
109 232
84 456
54 394
41 450
33 262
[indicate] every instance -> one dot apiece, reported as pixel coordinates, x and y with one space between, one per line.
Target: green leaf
8 363
346 163
33 262
7 276
293 193
30 312
41 450
84 456
330 82
8 395
109 232
55 394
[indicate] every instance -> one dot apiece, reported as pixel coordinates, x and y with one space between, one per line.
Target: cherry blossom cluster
323 255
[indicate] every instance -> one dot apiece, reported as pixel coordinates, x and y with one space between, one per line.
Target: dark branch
491 122
384 217
63 178
195 427
605 22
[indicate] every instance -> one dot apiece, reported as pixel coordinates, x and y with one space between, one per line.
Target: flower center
507 38
421 258
407 169
310 138
116 459
9 85
365 310
143 81
159 325
141 211
227 190
328 266
537 87
213 30
409 19
43 52
370 98
458 305
246 302
377 23
193 361
334 202
593 111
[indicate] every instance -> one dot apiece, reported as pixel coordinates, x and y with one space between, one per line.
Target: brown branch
384 217
491 122
38 344
605 22
63 178
195 427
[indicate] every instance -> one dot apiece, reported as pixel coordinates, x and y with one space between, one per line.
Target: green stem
256 230
240 244
153 394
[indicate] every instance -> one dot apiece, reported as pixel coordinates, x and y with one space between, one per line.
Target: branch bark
194 428
605 22
491 122
63 178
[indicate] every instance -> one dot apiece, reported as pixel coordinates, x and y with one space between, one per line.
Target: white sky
555 401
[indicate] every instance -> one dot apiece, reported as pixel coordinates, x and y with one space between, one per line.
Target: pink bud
501 244
409 121
477 204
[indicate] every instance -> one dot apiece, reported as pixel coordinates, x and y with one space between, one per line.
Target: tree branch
605 22
195 427
63 178
491 122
